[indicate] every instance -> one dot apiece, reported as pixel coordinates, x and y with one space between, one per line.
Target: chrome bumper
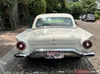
89 54
19 55
42 52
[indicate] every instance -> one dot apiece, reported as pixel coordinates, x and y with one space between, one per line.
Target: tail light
87 44
21 45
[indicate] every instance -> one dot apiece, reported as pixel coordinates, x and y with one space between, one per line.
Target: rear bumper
42 52
90 19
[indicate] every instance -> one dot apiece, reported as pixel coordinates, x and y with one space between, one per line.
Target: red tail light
87 44
21 45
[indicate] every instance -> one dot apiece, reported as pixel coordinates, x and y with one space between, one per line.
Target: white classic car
54 36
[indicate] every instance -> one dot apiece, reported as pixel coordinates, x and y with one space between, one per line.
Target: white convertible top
54 15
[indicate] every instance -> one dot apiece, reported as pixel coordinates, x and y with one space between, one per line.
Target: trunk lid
53 37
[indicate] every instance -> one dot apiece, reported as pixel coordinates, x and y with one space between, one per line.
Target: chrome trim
89 54
20 55
63 50
66 50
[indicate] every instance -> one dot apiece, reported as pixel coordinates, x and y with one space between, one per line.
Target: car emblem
53 41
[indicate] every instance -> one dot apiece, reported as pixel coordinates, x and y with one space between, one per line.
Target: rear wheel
93 21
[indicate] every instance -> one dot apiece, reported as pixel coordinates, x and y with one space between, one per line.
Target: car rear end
90 17
54 44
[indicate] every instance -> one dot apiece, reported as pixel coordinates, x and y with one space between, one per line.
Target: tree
5 8
68 8
62 6
56 5
36 7
52 5
76 8
89 6
23 12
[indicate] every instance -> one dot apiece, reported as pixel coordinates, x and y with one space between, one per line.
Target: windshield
55 21
91 15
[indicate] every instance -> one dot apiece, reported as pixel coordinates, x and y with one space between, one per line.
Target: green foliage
97 12
55 5
89 6
62 8
76 8
97 16
68 8
7 5
5 8
36 7
23 12
52 5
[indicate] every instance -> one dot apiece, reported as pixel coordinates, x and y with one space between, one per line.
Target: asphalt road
64 66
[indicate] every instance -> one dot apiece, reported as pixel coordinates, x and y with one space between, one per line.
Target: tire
93 21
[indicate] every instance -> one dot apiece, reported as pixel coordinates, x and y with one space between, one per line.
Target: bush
97 12
97 16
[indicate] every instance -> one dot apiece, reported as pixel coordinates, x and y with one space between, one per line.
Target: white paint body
54 38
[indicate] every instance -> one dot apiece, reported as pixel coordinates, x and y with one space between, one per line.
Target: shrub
97 16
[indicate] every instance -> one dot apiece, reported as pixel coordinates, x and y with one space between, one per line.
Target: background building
98 4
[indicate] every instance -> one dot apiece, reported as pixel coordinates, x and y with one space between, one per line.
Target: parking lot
65 65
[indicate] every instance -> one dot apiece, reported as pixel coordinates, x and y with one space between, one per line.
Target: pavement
7 59
7 46
7 39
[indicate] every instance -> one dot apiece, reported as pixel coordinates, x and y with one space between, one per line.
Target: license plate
54 55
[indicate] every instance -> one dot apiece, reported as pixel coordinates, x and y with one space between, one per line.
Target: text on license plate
54 54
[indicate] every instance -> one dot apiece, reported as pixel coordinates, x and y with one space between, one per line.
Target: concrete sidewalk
7 59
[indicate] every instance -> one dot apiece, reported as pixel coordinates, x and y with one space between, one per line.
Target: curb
7 59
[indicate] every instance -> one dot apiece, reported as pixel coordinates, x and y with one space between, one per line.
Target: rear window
54 21
91 15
